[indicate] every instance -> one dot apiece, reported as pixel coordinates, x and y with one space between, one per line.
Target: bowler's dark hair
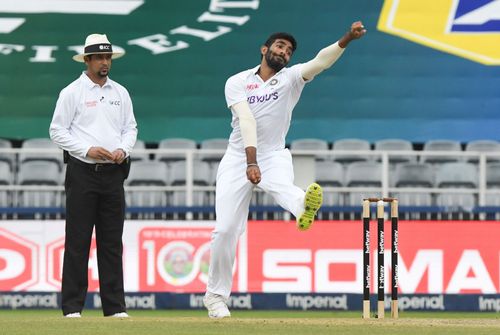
281 36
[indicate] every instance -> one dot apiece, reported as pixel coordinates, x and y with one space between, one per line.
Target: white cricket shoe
73 315
120 315
216 305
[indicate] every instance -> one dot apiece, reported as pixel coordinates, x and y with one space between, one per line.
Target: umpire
94 124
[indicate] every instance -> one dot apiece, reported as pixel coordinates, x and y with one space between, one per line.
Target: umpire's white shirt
271 103
88 115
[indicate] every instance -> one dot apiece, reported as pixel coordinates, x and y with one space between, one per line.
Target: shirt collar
90 84
255 71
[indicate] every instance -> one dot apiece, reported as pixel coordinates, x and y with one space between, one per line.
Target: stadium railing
481 209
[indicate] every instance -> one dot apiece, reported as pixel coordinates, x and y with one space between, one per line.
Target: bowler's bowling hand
357 30
253 174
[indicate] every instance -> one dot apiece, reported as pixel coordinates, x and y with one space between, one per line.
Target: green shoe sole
312 204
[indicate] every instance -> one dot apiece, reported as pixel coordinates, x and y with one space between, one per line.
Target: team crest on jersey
465 28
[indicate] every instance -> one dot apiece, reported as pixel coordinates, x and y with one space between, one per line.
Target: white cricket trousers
232 200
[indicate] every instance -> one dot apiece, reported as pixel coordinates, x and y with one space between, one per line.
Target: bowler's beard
274 61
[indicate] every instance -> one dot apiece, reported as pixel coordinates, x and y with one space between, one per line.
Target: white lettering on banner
14 264
6 49
425 261
220 5
196 301
298 278
132 302
43 54
295 278
140 301
203 34
9 24
15 301
239 301
306 302
325 258
110 7
422 303
471 260
158 44
149 246
283 264
176 234
209 17
116 7
489 304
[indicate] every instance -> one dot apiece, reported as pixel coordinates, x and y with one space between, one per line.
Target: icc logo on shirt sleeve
465 28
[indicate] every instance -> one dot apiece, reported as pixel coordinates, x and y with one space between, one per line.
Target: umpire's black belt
96 167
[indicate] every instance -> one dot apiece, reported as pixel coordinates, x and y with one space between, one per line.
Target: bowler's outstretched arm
329 55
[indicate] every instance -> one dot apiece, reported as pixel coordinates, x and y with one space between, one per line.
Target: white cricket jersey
271 103
88 115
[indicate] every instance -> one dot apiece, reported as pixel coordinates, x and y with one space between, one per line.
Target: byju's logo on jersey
465 28
262 98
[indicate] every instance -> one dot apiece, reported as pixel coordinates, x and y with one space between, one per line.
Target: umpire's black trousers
94 198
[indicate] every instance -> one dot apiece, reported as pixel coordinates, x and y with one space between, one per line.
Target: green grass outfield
41 322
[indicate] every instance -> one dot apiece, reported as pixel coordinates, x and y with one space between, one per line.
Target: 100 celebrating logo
178 263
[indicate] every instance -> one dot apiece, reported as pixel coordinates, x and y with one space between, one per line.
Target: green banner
180 53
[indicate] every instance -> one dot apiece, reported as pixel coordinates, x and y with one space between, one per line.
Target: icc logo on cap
465 28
